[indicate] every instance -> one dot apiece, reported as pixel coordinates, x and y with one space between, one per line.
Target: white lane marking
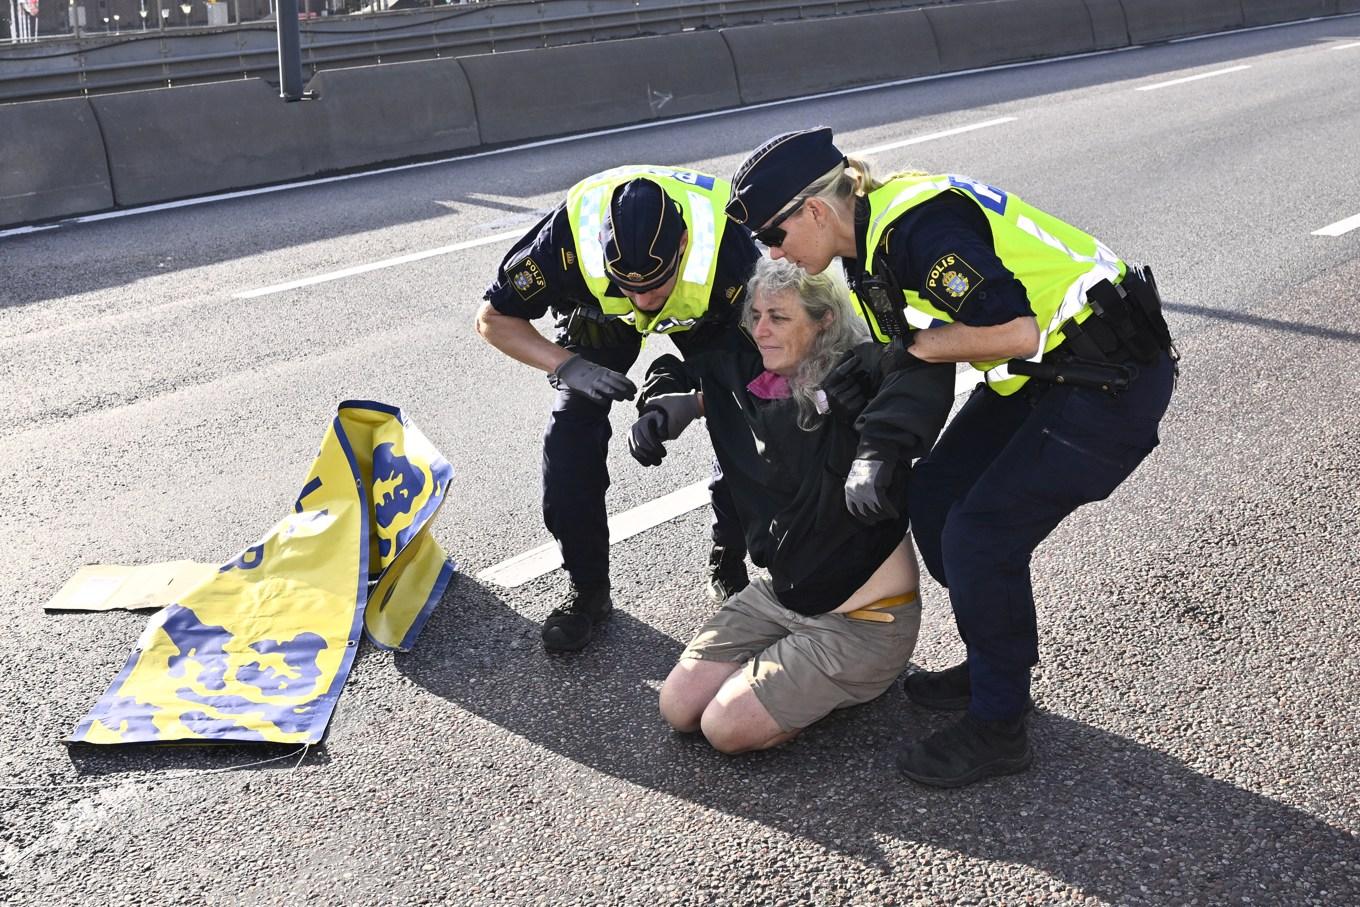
1203 75
377 265
538 561
1346 46
535 562
935 135
487 240
966 380
1339 228
541 143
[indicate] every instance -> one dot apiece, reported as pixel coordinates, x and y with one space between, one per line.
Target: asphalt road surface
1198 694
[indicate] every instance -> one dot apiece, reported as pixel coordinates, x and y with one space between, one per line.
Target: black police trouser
576 477
1003 475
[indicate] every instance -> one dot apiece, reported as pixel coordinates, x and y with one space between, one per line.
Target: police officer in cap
633 251
1079 370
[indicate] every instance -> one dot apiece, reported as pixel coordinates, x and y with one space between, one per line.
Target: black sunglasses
773 235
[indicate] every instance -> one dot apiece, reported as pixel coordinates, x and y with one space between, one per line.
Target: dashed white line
1345 46
935 135
538 561
378 265
499 237
1340 228
1203 75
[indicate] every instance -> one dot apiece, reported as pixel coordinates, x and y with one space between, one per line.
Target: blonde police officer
980 277
633 251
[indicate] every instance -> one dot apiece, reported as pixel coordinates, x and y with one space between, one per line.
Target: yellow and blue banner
260 651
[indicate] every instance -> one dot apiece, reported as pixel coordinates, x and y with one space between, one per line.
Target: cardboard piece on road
104 587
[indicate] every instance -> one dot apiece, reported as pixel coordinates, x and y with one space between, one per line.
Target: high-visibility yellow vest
702 199
1055 261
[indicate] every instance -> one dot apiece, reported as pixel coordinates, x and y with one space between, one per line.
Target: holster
1126 323
1112 378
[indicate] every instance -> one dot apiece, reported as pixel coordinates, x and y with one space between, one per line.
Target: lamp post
106 24
142 12
184 8
116 17
165 14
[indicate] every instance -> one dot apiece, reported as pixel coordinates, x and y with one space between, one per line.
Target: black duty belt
1125 329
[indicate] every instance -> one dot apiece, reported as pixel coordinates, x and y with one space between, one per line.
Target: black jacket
789 484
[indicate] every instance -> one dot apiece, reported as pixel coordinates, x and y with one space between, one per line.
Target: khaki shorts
802 668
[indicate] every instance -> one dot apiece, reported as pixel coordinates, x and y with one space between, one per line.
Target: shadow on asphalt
1100 812
1272 324
92 761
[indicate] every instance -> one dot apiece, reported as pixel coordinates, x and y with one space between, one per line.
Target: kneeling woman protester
837 621
1079 369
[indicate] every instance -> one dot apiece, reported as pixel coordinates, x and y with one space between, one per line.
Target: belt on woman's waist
875 610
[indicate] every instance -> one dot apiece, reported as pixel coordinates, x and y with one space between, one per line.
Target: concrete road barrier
556 90
1108 26
176 142
53 163
970 35
1266 12
788 59
371 114
1159 20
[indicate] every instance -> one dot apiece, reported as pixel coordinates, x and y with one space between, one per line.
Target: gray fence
156 59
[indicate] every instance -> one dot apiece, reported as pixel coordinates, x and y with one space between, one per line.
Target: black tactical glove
595 381
866 491
846 388
897 356
663 418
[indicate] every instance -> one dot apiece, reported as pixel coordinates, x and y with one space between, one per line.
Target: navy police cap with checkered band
641 236
774 174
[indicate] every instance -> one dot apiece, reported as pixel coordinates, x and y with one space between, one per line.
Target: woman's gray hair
821 295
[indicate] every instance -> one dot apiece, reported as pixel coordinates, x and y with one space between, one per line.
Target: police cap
774 174
641 236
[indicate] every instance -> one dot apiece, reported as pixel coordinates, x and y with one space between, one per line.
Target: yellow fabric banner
261 650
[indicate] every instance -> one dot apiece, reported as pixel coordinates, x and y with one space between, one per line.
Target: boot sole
992 769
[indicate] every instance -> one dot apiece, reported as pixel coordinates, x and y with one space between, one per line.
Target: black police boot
726 573
949 690
570 627
968 751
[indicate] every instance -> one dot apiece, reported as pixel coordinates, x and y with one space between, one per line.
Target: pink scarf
770 386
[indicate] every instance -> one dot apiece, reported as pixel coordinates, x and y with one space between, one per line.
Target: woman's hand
663 419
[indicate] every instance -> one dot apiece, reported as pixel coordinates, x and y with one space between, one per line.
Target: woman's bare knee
736 722
689 689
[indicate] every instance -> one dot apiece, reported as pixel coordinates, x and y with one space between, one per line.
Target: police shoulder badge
951 280
526 277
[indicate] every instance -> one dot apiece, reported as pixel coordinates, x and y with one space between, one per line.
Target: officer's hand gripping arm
866 490
595 381
846 388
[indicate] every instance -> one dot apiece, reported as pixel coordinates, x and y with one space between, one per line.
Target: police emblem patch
527 278
950 281
955 284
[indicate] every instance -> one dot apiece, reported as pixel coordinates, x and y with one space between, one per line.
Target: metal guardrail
249 50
